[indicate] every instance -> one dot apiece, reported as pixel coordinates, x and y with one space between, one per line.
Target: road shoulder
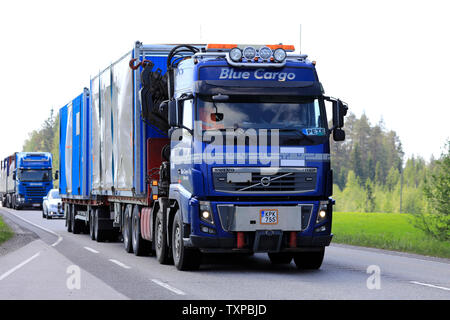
21 238
393 253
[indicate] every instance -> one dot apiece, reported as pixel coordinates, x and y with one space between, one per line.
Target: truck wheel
140 246
183 258
280 257
126 230
76 225
309 260
100 235
91 224
68 218
161 248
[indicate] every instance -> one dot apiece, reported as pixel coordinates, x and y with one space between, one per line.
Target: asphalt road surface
54 264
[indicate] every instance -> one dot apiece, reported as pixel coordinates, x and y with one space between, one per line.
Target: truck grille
280 180
35 193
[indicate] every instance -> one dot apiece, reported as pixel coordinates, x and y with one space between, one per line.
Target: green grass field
391 231
5 232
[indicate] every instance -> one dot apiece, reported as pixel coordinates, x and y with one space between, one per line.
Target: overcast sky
389 59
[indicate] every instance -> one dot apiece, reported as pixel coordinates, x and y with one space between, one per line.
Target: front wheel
309 260
183 258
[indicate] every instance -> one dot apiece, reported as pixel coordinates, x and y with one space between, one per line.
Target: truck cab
249 155
31 179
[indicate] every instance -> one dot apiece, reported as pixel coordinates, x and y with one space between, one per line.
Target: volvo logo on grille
265 181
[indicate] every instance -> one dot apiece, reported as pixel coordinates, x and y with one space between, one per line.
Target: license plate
239 177
268 216
36 204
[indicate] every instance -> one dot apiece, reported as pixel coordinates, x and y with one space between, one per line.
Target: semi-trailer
184 150
25 178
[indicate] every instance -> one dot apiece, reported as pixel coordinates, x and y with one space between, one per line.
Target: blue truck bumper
296 227
216 245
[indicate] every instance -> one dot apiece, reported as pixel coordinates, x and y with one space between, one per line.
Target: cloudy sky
389 59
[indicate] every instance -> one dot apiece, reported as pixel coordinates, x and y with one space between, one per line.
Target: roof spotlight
236 54
249 53
279 55
265 53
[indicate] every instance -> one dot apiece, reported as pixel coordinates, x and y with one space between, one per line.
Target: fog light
249 53
279 55
265 53
236 54
204 229
321 229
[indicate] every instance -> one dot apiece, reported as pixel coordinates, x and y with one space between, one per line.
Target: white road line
430 285
120 264
3 276
91 250
57 241
40 227
165 285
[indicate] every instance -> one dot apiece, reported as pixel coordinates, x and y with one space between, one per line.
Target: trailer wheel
309 260
161 248
91 224
68 212
76 225
100 235
183 258
280 257
140 246
126 230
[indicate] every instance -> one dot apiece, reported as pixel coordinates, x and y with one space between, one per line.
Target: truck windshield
260 112
34 175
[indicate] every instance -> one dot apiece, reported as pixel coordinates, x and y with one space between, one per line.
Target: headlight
265 53
206 212
236 54
279 55
322 214
249 53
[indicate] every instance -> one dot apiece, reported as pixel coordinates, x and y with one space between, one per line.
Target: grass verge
390 231
5 231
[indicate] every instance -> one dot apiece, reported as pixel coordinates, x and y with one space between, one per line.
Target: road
55 264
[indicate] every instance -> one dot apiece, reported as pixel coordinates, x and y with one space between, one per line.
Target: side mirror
56 175
338 134
173 113
339 111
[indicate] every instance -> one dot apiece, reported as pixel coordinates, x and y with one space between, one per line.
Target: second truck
182 150
25 178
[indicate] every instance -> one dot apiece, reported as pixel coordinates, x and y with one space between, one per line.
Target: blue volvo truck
186 150
25 178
